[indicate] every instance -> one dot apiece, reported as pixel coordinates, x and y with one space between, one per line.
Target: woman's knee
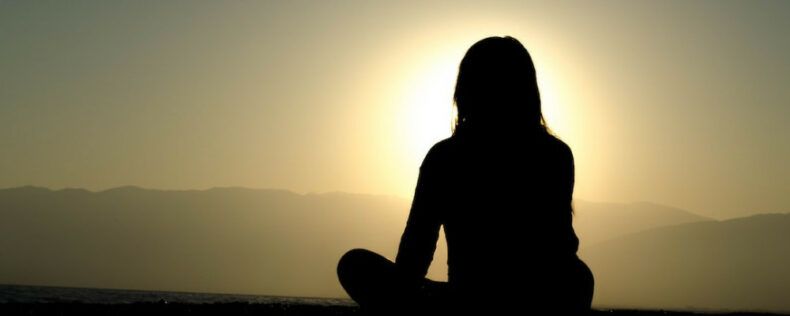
350 260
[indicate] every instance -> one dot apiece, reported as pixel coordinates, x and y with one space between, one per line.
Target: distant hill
736 264
275 242
226 240
595 222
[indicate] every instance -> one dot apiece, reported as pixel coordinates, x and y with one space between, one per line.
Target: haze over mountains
275 242
595 222
736 264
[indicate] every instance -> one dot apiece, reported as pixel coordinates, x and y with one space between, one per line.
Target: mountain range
276 242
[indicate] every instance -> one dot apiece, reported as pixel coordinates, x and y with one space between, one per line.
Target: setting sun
244 147
427 106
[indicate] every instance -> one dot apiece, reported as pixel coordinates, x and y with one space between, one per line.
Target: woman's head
497 88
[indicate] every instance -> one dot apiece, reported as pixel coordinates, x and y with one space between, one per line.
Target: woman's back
505 204
502 187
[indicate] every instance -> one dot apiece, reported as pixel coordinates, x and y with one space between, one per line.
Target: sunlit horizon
677 114
686 113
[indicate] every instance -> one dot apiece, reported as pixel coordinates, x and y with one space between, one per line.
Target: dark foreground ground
243 309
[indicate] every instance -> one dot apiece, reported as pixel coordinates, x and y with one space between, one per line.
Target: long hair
497 88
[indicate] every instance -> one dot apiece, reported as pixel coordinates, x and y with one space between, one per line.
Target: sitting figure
502 188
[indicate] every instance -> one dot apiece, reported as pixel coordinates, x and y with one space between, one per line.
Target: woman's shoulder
443 146
440 151
451 148
559 147
562 158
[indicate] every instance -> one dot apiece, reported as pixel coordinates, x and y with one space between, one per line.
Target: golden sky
675 102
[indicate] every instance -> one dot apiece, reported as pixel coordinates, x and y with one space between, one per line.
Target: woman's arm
418 242
567 176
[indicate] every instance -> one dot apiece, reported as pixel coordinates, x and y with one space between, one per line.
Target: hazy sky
682 103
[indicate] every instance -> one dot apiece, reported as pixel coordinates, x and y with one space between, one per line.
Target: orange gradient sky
674 102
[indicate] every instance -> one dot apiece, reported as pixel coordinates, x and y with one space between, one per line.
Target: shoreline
242 308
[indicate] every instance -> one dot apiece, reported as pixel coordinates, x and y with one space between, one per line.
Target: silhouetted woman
502 187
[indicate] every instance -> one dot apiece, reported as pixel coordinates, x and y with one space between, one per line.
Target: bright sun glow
428 110
423 107
427 105
551 103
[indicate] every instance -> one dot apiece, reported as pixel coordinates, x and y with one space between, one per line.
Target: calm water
48 294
